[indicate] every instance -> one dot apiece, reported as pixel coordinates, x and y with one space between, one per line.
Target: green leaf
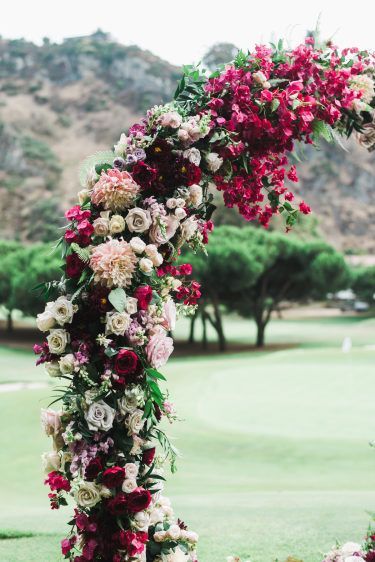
275 104
117 297
321 129
82 253
155 374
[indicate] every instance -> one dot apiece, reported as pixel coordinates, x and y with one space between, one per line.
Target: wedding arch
124 282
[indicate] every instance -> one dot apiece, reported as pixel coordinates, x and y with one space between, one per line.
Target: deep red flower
143 174
93 468
85 228
118 505
74 265
127 363
148 456
144 296
67 544
113 477
76 213
138 500
133 542
186 269
57 481
304 208
370 556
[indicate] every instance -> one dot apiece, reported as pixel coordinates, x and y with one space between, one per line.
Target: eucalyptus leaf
117 297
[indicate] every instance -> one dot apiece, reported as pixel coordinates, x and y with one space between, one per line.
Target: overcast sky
181 31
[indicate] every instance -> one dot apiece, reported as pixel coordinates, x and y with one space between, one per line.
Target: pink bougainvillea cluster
108 319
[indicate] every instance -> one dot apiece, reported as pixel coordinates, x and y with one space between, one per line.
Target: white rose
101 226
57 341
88 494
138 220
213 161
141 521
116 224
129 485
195 195
180 202
146 265
188 228
52 369
51 462
192 537
171 203
100 416
160 536
156 516
83 195
66 364
131 305
45 321
350 548
180 213
174 532
193 155
63 311
137 245
135 422
117 323
131 470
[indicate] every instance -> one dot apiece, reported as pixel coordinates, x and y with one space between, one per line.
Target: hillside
62 102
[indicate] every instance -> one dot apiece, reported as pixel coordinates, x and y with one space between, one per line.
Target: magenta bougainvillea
107 321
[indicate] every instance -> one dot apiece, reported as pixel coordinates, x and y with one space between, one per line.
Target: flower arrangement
108 319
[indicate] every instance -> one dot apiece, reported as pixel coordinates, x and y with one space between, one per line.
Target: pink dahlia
113 263
115 190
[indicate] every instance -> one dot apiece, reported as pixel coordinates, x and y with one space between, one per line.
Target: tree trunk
219 327
261 328
9 322
204 329
192 328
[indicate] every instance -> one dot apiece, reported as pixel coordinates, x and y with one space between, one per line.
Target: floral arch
109 316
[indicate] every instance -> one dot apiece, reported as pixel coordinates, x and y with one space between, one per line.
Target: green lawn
275 447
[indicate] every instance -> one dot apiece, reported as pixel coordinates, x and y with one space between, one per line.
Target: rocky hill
62 102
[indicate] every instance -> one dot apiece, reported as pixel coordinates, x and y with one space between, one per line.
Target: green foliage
39 152
21 270
364 283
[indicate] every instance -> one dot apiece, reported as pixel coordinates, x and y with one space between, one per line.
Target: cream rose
141 521
135 422
66 364
180 213
101 226
171 203
195 195
160 536
189 228
52 369
51 421
62 309
116 224
57 341
51 461
151 252
146 265
213 161
88 494
100 416
131 305
45 320
131 470
117 323
193 155
174 532
137 245
129 485
138 220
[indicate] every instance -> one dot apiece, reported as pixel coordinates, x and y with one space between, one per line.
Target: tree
293 271
231 268
364 283
21 270
7 247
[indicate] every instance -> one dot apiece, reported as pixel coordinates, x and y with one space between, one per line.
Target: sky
181 32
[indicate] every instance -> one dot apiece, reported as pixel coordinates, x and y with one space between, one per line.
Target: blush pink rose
169 314
51 421
158 349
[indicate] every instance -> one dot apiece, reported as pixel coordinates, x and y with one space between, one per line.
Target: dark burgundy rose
148 456
113 477
118 504
143 174
74 265
159 151
138 500
370 556
98 299
127 363
93 468
144 296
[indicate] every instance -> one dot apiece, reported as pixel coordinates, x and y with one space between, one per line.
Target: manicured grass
275 449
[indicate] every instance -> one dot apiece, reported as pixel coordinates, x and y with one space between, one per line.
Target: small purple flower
140 154
119 163
130 159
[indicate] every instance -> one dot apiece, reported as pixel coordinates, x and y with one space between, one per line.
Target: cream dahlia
113 263
115 190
